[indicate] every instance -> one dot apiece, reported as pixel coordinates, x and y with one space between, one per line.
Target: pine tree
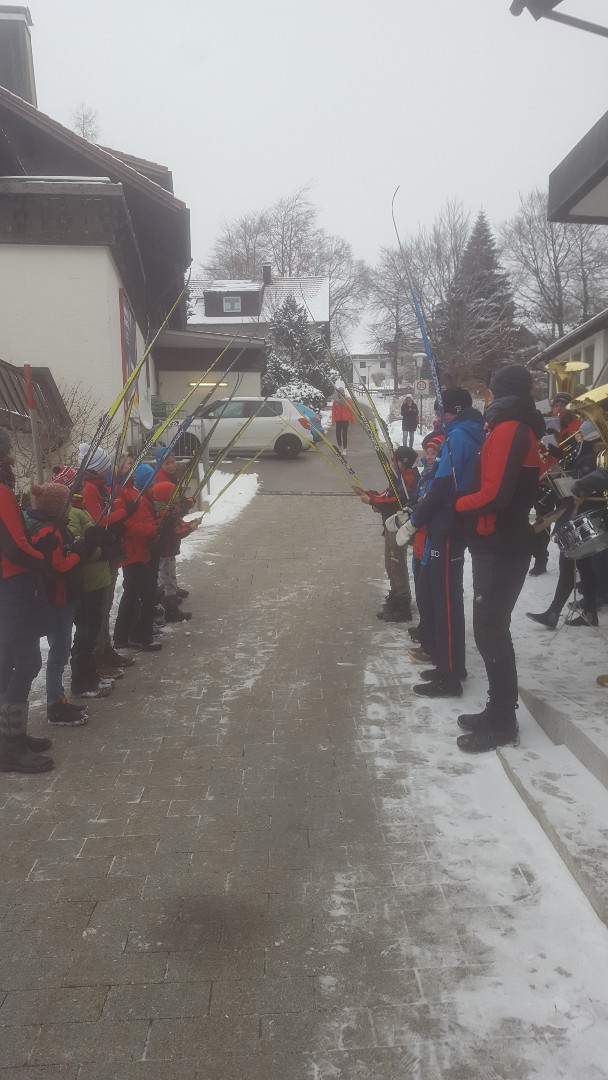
297 364
475 323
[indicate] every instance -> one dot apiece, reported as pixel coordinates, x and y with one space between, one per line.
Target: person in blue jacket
440 585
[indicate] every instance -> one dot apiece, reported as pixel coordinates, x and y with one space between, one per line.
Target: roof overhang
569 341
198 339
578 187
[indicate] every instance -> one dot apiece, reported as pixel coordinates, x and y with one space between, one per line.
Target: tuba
593 406
563 372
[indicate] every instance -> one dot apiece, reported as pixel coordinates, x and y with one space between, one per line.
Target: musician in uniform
555 451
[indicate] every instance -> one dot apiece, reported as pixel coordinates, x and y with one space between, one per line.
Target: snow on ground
534 952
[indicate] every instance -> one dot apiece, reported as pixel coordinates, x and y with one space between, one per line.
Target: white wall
59 308
173 386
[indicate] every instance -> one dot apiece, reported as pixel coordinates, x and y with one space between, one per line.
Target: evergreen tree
475 322
297 363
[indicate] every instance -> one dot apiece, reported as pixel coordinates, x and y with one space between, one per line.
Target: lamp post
419 358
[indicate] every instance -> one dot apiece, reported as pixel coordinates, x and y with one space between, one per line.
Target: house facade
588 344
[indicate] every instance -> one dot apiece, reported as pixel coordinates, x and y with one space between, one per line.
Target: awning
578 187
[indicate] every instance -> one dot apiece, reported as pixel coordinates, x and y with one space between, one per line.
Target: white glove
394 523
406 533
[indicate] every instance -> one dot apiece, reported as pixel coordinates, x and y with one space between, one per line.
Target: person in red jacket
134 624
22 611
496 516
172 530
341 415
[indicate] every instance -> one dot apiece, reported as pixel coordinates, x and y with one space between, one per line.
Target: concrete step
572 808
579 723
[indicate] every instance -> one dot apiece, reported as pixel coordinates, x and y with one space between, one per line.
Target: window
362 363
269 408
232 304
383 363
228 410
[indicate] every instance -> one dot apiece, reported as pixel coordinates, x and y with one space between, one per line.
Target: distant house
373 369
93 244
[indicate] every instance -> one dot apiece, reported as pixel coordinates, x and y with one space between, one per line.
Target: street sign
422 386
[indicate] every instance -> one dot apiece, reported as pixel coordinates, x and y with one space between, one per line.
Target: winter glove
95 537
131 508
396 521
406 533
81 548
47 544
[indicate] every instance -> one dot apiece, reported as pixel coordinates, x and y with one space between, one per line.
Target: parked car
276 425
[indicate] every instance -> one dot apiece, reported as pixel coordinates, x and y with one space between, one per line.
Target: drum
584 535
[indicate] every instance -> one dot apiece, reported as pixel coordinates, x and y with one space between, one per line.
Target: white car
276 425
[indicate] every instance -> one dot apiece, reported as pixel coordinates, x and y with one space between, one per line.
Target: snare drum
584 535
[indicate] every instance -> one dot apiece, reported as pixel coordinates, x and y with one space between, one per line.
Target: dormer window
232 305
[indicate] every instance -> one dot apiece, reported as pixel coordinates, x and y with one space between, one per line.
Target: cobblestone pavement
243 867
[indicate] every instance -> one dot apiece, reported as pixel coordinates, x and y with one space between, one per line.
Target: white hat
99 462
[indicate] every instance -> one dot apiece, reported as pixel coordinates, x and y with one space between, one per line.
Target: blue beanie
160 453
143 475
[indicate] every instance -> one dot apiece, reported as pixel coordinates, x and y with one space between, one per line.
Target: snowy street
265 858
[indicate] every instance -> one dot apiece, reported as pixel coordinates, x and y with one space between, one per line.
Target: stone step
577 723
572 808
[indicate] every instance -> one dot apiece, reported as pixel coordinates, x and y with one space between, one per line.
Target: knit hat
99 461
406 455
511 381
51 499
5 443
588 431
142 476
455 399
562 398
434 444
160 453
162 492
64 474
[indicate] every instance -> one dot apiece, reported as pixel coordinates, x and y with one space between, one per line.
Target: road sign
422 386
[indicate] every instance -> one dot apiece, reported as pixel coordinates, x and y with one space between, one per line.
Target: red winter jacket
341 411
17 555
59 561
141 528
163 477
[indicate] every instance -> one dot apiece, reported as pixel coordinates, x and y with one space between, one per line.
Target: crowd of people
59 566
480 479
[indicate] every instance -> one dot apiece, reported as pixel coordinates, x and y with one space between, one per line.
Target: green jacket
95 571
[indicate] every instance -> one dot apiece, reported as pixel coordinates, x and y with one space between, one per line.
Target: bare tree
85 122
559 270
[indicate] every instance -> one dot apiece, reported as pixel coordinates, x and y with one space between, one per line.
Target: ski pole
324 456
247 465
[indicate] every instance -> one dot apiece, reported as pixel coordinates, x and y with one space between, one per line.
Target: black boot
442 686
400 612
540 567
173 612
547 618
586 618
500 729
473 721
389 602
414 632
15 753
431 674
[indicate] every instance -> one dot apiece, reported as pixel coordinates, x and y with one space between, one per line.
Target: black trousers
342 432
565 583
135 618
440 599
498 579
88 617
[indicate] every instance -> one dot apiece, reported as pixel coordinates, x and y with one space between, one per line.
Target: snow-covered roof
311 292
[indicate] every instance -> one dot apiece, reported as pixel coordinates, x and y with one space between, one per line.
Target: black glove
95 537
47 544
131 508
117 528
80 547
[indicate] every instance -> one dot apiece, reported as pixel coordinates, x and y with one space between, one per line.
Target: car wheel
287 446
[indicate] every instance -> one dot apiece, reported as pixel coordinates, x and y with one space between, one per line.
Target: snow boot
540 567
15 753
389 602
442 686
92 689
105 670
117 659
173 612
431 674
548 618
400 611
419 656
501 729
64 714
473 721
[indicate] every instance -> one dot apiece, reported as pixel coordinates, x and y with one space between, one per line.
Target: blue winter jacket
466 436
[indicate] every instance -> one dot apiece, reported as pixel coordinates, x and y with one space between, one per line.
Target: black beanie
407 455
455 399
511 381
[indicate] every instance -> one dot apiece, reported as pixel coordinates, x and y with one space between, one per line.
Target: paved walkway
263 859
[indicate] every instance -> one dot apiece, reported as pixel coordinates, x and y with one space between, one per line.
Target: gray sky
245 100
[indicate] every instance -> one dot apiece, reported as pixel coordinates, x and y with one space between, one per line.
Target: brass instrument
563 373
593 406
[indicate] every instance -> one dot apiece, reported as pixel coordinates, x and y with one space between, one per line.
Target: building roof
578 186
571 340
312 292
14 412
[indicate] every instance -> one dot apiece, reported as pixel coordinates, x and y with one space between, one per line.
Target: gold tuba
563 372
593 406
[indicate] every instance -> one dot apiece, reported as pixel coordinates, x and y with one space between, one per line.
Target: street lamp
419 358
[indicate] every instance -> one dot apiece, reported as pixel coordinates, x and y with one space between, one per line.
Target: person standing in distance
409 420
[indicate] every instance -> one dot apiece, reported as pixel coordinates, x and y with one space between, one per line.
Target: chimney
16 61
266 273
